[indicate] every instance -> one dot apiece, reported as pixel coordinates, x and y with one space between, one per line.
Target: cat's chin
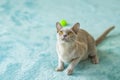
65 41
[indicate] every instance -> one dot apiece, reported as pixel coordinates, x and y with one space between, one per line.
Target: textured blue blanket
28 38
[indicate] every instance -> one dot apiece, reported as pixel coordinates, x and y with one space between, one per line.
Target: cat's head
67 34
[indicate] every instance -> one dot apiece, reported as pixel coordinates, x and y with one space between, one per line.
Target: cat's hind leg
93 55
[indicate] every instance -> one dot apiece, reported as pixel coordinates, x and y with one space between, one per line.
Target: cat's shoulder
83 31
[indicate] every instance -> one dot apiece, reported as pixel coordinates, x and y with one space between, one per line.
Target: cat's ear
58 26
76 27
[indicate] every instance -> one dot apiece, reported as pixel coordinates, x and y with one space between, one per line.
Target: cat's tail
100 39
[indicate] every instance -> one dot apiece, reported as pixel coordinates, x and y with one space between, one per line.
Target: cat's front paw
59 69
69 71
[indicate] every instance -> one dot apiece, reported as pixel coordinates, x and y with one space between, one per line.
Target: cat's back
84 36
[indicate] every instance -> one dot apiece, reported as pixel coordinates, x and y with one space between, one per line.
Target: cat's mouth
64 39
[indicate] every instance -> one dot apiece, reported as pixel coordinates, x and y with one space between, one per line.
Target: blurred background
28 38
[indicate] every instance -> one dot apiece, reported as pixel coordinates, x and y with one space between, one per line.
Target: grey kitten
75 44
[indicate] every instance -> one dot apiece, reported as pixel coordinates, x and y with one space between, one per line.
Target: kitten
75 44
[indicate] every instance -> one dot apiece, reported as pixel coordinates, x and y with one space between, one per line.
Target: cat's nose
64 35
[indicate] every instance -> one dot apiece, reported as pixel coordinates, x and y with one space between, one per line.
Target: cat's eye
69 33
61 32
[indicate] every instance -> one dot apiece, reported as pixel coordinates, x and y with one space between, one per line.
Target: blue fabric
28 38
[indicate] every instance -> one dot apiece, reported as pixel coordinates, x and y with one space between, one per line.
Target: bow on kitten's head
67 34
